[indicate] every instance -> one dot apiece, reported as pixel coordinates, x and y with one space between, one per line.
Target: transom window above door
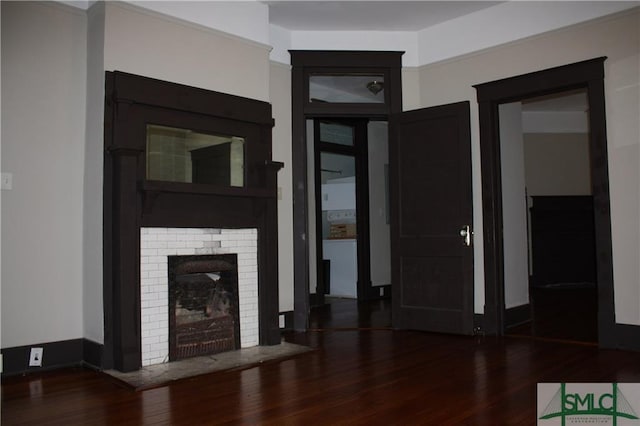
347 88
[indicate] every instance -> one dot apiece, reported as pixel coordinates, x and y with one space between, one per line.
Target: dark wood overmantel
131 201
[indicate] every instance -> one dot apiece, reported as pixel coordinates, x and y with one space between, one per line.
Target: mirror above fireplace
183 155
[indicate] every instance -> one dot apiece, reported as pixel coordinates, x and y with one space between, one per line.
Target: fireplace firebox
203 305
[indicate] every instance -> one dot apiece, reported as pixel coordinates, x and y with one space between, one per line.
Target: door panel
431 201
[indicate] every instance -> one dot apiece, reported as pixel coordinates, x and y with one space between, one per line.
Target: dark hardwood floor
567 313
371 376
343 314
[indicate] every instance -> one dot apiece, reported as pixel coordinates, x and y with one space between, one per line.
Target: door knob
465 233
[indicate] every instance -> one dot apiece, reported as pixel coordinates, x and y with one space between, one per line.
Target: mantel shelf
160 187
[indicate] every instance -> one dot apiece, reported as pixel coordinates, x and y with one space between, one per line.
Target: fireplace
203 305
188 254
156 207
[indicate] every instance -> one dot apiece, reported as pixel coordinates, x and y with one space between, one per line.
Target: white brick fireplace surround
156 245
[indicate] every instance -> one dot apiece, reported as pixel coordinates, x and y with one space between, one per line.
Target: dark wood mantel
132 202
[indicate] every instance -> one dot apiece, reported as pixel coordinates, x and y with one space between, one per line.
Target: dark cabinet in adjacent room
562 240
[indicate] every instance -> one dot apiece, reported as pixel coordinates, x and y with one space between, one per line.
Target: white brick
157 332
156 274
159 243
205 250
148 252
151 340
159 347
149 267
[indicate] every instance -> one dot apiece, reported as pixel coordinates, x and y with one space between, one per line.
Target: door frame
586 74
304 64
359 152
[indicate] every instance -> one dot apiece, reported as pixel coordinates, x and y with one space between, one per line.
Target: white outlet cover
35 357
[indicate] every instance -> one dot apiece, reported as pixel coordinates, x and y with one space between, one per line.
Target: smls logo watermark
615 404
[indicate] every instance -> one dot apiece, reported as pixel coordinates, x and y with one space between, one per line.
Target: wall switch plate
35 357
6 181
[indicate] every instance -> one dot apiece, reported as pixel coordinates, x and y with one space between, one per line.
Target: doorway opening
338 93
335 209
548 227
348 204
589 76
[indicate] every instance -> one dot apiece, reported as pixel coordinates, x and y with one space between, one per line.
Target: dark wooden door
431 203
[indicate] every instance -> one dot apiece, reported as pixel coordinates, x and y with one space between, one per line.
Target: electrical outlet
35 357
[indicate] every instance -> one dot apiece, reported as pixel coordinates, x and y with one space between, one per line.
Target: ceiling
357 15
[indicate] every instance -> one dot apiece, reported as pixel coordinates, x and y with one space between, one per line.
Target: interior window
347 88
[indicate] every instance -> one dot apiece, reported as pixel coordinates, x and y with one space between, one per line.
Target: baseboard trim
92 353
478 324
374 292
65 353
517 315
316 299
288 320
627 337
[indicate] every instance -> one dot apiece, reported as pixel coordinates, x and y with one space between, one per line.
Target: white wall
514 206
43 129
557 164
380 241
280 97
92 247
410 88
146 43
616 37
311 208
246 19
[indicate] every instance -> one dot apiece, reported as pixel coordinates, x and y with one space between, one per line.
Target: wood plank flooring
562 313
373 376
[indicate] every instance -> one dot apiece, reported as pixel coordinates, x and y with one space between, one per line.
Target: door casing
586 74
304 64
